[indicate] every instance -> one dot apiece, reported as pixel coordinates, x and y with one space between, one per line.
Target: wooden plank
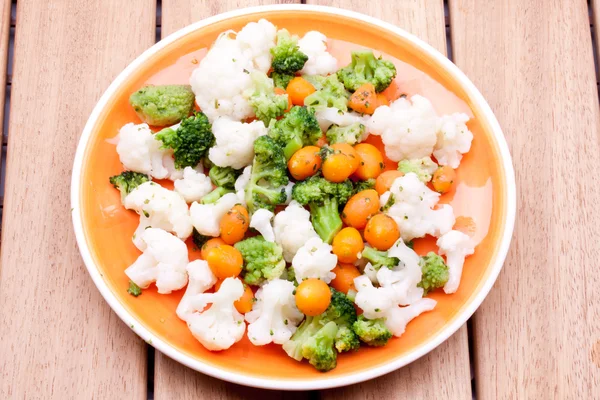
171 377
445 371
537 336
5 7
60 340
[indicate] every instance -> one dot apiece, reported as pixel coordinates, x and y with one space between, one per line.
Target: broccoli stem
215 195
326 219
292 146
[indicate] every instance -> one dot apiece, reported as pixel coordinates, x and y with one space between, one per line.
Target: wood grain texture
443 373
60 340
171 377
4 34
538 333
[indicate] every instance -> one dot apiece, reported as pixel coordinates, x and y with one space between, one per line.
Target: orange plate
484 192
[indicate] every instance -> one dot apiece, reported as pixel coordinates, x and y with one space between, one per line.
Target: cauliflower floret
374 301
320 62
159 208
274 316
371 273
206 217
332 116
407 129
292 229
240 184
193 185
314 260
412 208
201 278
455 245
403 279
453 139
261 221
163 261
221 325
234 142
255 40
398 317
288 192
139 151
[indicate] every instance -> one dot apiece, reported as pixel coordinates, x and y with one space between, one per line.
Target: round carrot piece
381 232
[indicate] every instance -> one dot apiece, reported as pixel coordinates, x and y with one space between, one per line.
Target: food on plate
301 231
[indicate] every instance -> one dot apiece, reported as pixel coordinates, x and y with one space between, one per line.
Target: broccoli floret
372 331
317 338
422 167
359 186
199 239
298 128
435 272
163 105
365 68
266 188
330 93
215 195
262 260
379 259
126 181
223 176
190 141
266 104
350 134
287 57
290 275
324 199
281 80
134 289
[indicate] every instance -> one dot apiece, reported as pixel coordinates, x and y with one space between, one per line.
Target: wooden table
537 336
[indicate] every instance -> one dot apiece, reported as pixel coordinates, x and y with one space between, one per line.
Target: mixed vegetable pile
305 238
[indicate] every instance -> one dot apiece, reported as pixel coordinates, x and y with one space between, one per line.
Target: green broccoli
422 167
298 128
262 260
287 57
190 141
290 275
199 239
379 259
359 186
281 80
317 338
134 289
126 181
215 195
350 134
365 68
163 105
372 331
330 93
324 199
266 104
435 272
266 188
223 176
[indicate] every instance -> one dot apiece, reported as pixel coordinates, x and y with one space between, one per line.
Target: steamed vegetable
365 68
163 105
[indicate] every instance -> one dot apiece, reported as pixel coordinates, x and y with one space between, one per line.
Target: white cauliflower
398 317
453 139
407 129
412 208
274 316
288 192
403 279
261 221
222 81
234 142
163 261
314 260
332 116
320 62
293 228
193 185
240 184
159 208
201 278
206 217
256 40
139 151
221 325
371 273
456 246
